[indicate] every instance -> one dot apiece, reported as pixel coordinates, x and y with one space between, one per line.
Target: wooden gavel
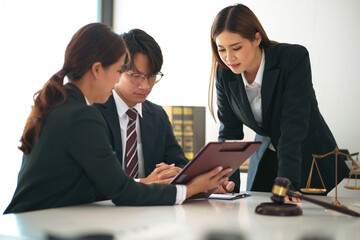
281 189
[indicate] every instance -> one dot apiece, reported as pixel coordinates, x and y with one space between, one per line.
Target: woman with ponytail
67 158
51 95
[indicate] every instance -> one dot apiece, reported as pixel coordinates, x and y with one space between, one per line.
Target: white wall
328 28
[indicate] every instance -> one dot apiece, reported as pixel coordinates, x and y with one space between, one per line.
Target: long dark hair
94 42
237 19
138 41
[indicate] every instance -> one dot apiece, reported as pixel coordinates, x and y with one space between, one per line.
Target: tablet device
228 154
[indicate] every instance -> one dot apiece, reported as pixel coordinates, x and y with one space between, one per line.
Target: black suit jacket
291 117
72 163
158 140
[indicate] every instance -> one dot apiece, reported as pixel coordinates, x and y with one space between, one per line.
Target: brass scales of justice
336 152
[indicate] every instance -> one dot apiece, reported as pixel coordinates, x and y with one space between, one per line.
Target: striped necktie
131 156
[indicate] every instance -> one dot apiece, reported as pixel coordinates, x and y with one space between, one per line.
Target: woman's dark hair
93 43
138 41
236 19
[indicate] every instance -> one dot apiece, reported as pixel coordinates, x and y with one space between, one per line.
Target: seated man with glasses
140 131
155 156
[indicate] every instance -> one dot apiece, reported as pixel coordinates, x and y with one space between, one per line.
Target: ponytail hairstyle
138 41
95 42
236 19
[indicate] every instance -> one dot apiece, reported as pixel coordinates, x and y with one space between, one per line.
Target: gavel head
280 190
278 207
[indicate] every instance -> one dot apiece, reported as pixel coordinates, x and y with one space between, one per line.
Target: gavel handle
324 204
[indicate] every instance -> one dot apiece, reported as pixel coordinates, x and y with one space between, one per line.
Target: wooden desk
192 220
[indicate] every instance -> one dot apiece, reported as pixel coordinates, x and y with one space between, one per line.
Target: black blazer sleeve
231 128
297 96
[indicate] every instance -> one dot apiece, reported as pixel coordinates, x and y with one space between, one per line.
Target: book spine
188 132
177 123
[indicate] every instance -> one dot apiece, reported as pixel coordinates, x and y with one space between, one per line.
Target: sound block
276 209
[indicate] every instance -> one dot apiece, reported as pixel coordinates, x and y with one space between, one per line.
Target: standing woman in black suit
68 159
267 86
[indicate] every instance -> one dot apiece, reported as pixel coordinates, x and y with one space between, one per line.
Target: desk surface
194 219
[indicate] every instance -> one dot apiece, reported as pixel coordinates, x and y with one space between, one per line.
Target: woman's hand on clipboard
225 187
207 181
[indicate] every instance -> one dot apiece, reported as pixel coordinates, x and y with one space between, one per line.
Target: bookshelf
188 124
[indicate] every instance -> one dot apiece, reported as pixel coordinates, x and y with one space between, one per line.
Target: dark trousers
266 172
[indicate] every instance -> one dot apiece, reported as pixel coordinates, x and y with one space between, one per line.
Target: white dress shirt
121 108
253 92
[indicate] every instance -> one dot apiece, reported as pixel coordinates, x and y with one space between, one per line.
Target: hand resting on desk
163 173
225 187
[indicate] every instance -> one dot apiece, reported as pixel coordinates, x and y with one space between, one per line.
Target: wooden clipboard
228 154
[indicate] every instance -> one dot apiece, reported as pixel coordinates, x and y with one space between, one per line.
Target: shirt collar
87 102
259 74
122 107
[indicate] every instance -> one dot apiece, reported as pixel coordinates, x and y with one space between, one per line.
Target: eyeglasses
138 78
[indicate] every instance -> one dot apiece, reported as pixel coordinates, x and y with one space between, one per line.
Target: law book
188 132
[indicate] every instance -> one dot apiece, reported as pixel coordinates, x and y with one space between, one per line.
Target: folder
228 154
